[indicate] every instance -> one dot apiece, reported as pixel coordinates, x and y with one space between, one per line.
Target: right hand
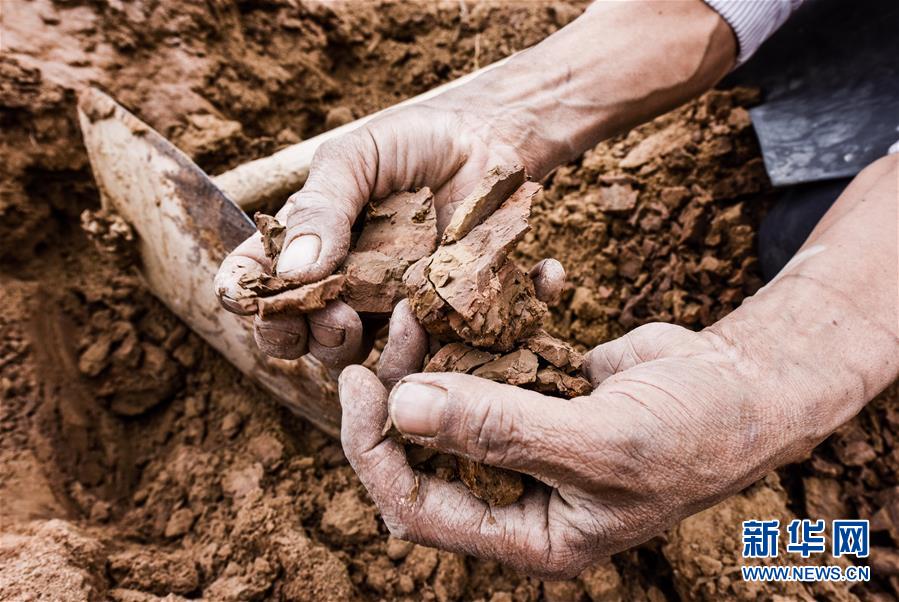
437 144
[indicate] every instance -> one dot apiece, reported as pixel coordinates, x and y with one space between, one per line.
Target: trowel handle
277 176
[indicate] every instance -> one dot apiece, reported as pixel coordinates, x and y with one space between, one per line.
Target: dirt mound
136 464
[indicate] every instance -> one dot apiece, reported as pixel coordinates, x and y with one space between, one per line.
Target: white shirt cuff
753 21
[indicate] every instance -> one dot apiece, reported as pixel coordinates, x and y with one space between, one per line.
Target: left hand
678 421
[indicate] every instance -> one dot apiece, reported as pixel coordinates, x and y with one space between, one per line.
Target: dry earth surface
136 465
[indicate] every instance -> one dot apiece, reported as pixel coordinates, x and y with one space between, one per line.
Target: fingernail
278 336
327 336
282 344
302 252
244 307
417 409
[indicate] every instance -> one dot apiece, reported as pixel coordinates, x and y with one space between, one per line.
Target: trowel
830 83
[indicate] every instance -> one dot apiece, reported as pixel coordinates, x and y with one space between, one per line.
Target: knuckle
653 328
332 149
598 364
489 431
305 206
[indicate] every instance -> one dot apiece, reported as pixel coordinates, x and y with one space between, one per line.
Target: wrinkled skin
668 430
392 153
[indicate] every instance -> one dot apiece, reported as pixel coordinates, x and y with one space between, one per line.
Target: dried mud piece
555 351
551 380
507 311
402 225
496 486
469 290
399 230
429 307
273 233
490 192
306 298
374 282
458 357
516 368
262 285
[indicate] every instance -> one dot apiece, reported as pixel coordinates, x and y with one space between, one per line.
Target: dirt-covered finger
379 461
496 424
446 515
407 346
336 335
317 240
319 216
247 261
282 336
549 280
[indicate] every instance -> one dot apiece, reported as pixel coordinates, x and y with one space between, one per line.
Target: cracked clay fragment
272 232
399 230
496 486
458 357
516 368
471 290
553 381
269 283
374 282
489 193
558 353
302 299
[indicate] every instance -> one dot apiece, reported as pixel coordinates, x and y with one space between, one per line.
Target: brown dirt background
136 465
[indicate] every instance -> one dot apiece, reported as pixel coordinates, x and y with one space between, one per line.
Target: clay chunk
263 285
398 231
516 368
496 486
266 284
374 282
552 381
303 299
558 353
273 233
469 289
488 195
458 357
402 225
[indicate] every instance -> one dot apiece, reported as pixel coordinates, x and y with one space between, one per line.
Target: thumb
488 422
319 217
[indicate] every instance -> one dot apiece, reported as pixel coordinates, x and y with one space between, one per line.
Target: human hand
442 144
678 421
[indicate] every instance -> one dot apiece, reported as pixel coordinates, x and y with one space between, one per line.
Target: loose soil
136 465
